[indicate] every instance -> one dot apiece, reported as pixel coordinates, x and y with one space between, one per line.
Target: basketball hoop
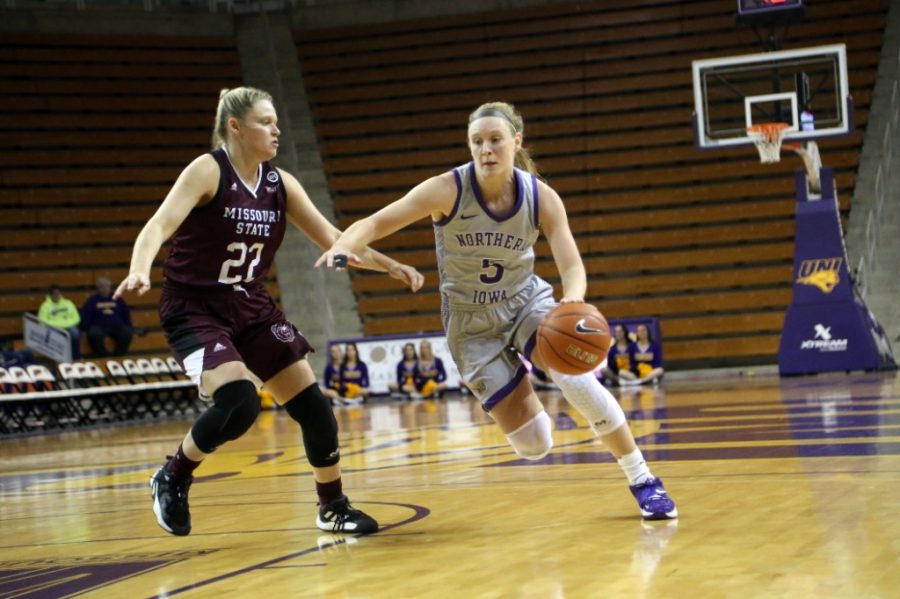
767 137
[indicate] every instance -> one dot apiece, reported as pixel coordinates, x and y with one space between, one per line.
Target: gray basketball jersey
485 259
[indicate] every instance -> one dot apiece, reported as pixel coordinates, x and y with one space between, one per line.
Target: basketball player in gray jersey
486 216
227 214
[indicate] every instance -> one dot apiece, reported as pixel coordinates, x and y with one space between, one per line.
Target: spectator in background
59 312
404 385
354 377
331 378
620 359
647 357
103 316
430 373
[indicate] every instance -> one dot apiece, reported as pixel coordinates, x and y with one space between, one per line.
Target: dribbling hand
135 281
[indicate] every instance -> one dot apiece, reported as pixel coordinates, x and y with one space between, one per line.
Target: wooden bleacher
94 129
704 240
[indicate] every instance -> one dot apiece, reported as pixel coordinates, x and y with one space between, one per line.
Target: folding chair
92 372
174 366
163 370
116 370
20 380
41 377
149 369
68 373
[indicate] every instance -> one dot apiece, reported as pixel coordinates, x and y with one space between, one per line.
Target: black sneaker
170 501
340 516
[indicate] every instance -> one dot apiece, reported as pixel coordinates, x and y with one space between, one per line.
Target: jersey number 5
490 279
237 264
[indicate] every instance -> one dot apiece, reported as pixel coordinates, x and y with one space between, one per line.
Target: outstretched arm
434 197
197 183
306 217
555 224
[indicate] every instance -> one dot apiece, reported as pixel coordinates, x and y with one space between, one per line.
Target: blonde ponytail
235 103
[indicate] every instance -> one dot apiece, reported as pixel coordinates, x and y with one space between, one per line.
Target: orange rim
771 131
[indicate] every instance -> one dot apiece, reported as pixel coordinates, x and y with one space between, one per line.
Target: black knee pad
313 411
235 408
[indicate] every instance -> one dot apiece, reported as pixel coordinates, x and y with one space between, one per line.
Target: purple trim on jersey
449 217
505 390
520 195
534 186
529 346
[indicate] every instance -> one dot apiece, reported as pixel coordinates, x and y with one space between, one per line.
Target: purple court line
420 512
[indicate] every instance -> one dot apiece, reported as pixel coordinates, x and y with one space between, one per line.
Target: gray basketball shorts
486 342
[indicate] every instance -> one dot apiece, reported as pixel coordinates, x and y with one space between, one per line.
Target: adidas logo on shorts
219 347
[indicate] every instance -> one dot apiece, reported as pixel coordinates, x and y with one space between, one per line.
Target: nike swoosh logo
467 216
579 326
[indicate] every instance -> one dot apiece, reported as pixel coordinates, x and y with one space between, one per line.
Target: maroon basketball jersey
232 239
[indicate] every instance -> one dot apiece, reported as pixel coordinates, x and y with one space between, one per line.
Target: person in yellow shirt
59 312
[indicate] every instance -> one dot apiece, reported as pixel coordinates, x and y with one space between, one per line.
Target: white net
767 137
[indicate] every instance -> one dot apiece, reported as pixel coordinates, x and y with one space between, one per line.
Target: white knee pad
533 440
592 399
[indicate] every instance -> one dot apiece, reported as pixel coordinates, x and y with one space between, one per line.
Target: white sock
635 468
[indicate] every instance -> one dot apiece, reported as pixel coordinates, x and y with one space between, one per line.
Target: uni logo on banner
824 273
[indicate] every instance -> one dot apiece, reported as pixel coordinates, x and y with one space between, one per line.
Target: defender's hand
135 281
331 259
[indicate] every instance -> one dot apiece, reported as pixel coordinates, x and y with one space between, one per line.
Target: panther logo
823 273
825 280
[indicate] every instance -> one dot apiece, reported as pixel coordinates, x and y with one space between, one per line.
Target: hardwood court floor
786 488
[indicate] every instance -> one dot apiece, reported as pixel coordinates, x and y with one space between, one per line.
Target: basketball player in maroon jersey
228 212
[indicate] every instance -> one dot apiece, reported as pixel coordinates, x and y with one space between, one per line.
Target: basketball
573 338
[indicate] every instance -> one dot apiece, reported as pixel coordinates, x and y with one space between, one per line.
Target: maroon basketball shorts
230 326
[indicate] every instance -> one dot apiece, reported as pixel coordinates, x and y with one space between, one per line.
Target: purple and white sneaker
653 500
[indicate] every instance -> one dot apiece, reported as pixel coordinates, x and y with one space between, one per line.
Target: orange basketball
573 338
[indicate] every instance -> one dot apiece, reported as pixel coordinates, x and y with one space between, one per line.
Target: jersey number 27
231 271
